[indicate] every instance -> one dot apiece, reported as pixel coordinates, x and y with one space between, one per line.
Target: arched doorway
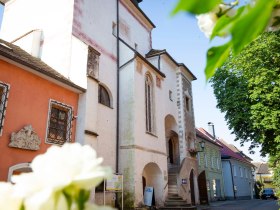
172 142
202 186
192 187
153 177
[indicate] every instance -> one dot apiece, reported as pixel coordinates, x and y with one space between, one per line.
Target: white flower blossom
8 198
206 22
71 165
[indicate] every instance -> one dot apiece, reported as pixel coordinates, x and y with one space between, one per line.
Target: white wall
228 186
54 18
135 31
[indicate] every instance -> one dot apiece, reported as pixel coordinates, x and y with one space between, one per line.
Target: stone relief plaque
26 138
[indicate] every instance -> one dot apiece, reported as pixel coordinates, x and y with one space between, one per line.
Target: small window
205 160
4 89
149 100
170 95
114 28
103 96
212 162
241 172
218 163
60 119
233 170
93 63
187 104
198 158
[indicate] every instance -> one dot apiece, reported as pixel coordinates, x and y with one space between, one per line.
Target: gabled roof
262 168
137 54
200 132
18 55
228 153
155 52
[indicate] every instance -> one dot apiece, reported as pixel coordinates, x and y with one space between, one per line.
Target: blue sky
180 36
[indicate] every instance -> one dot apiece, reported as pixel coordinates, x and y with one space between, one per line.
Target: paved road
255 204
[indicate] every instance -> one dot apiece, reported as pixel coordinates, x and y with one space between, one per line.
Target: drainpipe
118 91
232 180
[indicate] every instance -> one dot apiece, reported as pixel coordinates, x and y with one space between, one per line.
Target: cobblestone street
255 204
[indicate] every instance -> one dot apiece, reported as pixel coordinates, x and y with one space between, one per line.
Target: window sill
106 105
154 135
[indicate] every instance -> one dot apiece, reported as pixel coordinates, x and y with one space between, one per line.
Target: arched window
18 169
103 96
149 104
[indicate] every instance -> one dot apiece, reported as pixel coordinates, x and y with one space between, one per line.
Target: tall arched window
149 104
103 96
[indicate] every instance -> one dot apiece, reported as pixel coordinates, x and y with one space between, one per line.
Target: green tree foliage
274 163
247 88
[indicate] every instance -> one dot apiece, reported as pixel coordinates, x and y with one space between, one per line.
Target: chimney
211 129
30 42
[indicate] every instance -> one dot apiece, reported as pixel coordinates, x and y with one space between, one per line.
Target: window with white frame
4 90
246 172
241 172
149 100
59 123
233 170
218 163
205 160
212 162
198 158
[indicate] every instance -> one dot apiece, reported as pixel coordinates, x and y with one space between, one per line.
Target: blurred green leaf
225 23
216 56
196 6
251 23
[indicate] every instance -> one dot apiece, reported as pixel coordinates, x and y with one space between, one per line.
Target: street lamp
202 146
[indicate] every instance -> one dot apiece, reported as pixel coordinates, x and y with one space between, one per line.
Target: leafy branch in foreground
216 18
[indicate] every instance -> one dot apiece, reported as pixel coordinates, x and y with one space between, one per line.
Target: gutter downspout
232 180
118 91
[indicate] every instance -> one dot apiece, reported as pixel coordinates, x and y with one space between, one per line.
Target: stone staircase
174 201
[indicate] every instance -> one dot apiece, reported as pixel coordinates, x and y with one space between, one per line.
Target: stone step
175 203
174 198
179 208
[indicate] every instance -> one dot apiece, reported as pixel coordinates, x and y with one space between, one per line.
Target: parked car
268 193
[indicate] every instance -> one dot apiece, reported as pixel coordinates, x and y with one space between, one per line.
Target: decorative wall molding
26 138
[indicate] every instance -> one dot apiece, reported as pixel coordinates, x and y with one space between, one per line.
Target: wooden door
202 186
192 188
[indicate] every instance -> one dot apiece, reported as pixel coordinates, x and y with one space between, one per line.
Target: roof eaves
141 11
143 58
151 65
161 52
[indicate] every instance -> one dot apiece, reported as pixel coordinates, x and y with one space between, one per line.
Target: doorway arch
192 187
202 187
153 177
172 141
